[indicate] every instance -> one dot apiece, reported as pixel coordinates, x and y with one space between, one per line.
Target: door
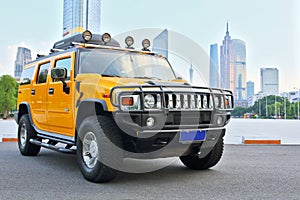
38 96
60 105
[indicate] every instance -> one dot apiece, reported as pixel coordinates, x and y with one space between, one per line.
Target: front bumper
167 144
162 140
16 116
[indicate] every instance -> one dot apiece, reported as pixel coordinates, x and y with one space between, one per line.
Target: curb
8 139
265 142
261 141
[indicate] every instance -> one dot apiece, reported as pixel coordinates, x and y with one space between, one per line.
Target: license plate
192 136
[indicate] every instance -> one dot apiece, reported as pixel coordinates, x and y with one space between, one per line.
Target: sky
270 28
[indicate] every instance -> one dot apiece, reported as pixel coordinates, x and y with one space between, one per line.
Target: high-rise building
240 71
269 80
161 43
80 15
226 63
23 57
250 89
214 71
191 74
233 66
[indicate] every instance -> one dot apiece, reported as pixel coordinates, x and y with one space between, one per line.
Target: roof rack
71 42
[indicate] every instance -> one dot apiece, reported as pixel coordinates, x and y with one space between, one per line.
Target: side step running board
52 147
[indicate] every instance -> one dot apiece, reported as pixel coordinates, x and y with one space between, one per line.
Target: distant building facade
233 67
214 69
292 96
79 15
240 71
226 63
250 89
23 57
269 80
161 43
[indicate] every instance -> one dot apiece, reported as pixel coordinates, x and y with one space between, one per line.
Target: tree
7 94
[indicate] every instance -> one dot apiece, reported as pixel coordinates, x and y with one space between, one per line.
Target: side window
27 75
64 63
43 71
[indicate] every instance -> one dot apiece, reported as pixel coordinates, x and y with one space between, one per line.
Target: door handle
51 91
33 92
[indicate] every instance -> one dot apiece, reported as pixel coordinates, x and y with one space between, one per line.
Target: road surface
244 172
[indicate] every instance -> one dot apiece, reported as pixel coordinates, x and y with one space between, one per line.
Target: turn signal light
127 101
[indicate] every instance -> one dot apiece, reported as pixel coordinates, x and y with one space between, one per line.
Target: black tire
194 162
104 131
25 133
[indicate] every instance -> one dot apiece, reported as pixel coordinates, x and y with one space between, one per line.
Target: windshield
125 64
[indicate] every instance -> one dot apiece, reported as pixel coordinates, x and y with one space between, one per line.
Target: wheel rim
90 150
23 135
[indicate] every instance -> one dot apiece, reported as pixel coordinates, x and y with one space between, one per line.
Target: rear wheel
98 158
193 161
25 133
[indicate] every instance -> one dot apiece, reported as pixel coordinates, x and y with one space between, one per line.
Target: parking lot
244 172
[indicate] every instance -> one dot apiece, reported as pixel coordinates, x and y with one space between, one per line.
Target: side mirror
59 73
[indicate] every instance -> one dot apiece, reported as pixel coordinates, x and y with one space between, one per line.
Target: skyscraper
161 43
23 57
80 15
227 68
214 72
233 66
250 89
269 81
191 74
240 71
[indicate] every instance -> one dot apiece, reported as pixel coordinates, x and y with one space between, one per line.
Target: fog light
150 122
129 41
87 35
220 121
106 38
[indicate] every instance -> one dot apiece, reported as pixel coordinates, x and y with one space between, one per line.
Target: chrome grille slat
187 101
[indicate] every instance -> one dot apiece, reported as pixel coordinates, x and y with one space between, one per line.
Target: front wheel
98 155
25 133
193 161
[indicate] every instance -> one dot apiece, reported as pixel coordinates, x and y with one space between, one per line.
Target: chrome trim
179 130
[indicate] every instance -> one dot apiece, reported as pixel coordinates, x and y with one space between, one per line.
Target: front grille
187 101
188 118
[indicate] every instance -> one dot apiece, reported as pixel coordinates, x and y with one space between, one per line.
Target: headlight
149 101
217 101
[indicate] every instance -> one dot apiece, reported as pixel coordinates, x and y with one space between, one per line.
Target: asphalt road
245 172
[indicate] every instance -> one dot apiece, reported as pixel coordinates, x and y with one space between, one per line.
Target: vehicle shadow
56 164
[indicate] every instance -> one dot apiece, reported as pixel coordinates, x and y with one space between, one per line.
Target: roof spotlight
106 38
129 42
146 45
87 35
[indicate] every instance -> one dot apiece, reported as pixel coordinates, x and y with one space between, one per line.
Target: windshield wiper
110 75
147 77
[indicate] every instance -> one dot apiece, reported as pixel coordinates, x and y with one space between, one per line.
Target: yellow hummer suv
105 103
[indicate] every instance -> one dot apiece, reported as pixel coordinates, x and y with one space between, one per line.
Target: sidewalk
8 130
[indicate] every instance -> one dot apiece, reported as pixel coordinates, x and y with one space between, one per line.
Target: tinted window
64 63
26 76
43 72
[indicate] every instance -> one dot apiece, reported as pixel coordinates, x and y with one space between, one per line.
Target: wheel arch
24 108
88 108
